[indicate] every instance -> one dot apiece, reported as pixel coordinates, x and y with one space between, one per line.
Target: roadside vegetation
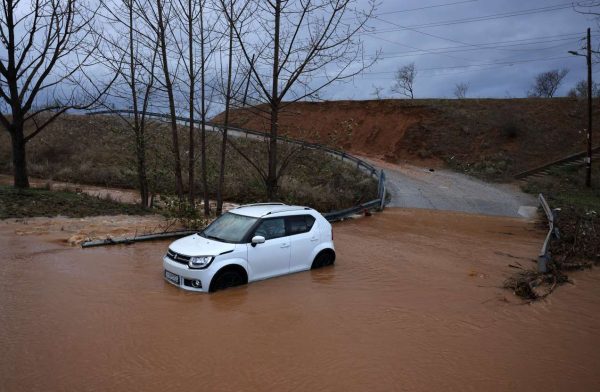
98 150
578 222
25 203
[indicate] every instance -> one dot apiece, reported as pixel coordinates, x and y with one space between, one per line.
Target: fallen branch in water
131 240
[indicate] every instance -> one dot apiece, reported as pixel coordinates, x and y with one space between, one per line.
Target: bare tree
404 81
188 13
158 15
294 50
45 47
546 83
196 35
205 52
134 64
229 10
377 92
460 90
580 90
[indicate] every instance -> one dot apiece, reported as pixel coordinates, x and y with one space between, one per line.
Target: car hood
195 245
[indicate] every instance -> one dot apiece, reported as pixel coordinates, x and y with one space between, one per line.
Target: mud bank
413 303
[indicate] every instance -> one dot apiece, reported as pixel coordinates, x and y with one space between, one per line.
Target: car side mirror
258 239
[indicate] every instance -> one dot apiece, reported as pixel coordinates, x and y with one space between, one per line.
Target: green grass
565 188
21 203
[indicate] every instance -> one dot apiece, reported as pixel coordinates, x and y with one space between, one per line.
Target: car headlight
199 262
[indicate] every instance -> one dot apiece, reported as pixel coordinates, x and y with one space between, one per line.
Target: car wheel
226 279
323 259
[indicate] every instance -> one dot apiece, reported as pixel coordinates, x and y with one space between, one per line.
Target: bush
184 213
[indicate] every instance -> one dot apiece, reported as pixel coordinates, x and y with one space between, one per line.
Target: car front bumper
187 278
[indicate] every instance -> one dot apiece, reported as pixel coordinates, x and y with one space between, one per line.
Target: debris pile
577 248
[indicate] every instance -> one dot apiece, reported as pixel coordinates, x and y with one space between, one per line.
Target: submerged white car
249 243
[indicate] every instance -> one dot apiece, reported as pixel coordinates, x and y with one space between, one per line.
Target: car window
229 228
271 228
299 224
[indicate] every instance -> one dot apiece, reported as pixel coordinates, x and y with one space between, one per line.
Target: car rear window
299 224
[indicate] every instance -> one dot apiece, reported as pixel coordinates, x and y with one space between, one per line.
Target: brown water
412 304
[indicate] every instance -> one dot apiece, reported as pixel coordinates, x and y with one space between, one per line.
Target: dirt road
413 303
441 189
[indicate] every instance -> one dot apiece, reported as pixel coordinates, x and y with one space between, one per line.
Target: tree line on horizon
545 85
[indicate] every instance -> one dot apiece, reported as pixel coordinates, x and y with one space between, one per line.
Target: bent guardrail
379 175
545 256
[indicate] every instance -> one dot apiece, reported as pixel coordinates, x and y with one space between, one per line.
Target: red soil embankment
495 137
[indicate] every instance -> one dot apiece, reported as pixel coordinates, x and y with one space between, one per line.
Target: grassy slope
98 150
565 187
40 202
489 138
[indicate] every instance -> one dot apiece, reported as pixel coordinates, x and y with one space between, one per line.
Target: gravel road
417 187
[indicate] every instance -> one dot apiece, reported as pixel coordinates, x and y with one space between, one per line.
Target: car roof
260 210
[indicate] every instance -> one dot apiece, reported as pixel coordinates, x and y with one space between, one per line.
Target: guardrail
379 175
571 159
545 257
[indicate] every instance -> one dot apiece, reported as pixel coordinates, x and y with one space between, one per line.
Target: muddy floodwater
413 303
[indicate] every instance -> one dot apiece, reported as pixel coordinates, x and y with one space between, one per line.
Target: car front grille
178 258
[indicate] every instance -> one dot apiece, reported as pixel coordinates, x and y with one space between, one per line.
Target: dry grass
15 203
99 150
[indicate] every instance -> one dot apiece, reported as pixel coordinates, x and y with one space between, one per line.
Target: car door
272 257
304 236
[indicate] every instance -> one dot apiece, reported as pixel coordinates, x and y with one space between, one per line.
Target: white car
249 243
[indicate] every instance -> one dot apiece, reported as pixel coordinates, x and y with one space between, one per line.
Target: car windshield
229 228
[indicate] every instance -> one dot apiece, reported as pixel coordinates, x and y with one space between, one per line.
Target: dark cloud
510 65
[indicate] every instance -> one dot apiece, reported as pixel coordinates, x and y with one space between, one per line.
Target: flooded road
412 304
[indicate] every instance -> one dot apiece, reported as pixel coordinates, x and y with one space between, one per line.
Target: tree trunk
19 156
191 194
203 116
272 175
169 88
226 124
140 145
142 176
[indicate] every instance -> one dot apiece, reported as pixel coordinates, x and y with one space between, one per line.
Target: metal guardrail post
545 257
382 190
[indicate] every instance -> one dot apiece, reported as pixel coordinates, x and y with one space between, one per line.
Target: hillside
490 138
99 150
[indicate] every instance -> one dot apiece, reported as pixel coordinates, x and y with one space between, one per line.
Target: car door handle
314 239
285 245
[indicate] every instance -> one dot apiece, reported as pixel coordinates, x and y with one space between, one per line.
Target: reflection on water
412 303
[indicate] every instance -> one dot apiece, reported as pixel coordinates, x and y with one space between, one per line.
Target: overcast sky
522 46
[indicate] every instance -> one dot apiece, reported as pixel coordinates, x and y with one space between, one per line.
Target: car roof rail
262 204
292 208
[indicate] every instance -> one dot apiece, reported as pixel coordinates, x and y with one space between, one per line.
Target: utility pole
588 173
588 56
